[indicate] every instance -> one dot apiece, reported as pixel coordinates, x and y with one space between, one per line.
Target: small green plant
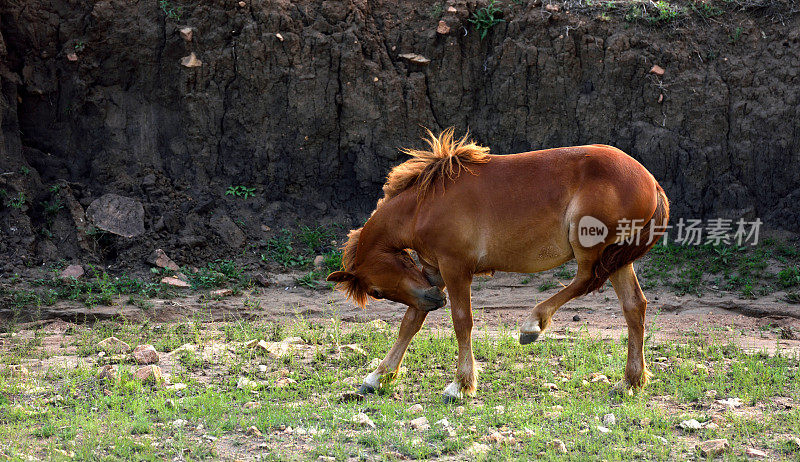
316 239
705 10
281 250
547 286
562 272
485 18
171 11
736 36
240 191
16 202
789 277
666 12
79 46
436 11
24 170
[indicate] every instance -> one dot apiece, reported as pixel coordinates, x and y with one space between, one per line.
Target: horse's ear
340 276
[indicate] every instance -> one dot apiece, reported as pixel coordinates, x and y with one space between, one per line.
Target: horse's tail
615 256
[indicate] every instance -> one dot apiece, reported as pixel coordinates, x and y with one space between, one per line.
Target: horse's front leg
458 287
388 368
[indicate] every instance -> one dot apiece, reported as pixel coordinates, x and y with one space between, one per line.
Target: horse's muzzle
432 299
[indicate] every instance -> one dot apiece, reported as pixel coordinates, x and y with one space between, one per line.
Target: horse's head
393 276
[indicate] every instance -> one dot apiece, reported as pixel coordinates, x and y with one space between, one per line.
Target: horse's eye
375 293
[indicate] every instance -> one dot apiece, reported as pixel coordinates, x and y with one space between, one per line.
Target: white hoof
373 380
452 392
530 327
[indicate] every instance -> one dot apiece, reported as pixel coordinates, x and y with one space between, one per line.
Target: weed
316 239
436 10
24 170
705 10
547 286
16 202
789 277
171 11
281 250
240 191
485 18
79 46
736 36
563 272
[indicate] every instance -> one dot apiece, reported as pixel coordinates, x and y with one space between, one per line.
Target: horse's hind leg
542 315
411 324
634 306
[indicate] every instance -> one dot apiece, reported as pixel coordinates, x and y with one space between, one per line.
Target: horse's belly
529 258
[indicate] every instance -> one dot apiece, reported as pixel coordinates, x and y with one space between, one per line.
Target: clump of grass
240 191
485 18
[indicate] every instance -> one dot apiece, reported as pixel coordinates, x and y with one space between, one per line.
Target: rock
459 410
552 8
319 261
253 430
279 37
246 384
603 429
221 293
177 386
185 347
145 354
596 377
242 4
420 423
175 282
72 271
452 9
755 453
151 374
660 439
576 318
415 409
478 448
354 348
549 386
113 345
262 280
713 448
191 61
363 419
609 420
227 230
558 446
108 372
284 382
293 340
442 423
160 259
276 349
118 215
262 368
416 58
443 28
690 424
730 402
657 70
378 324
252 405
179 423
72 57
187 33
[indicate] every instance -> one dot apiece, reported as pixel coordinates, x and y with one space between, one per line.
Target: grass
240 191
485 18
62 410
297 250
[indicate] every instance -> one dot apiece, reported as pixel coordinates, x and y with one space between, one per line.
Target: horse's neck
391 224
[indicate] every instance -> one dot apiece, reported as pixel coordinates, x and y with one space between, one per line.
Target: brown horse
466 212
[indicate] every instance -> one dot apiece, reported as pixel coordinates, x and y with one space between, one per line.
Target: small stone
442 423
262 368
113 345
293 340
319 261
478 448
179 423
246 384
252 405
253 430
609 420
221 293
378 324
552 8
191 61
690 424
443 28
416 58
187 33
185 347
72 57
452 9
72 271
596 377
657 70
354 348
160 259
415 409
284 382
145 354
175 282
730 402
242 4
209 438
755 453
459 410
108 372
149 374
660 439
660 98
549 386
363 419
576 318
711 393
279 37
558 446
420 423
713 448
603 429
177 386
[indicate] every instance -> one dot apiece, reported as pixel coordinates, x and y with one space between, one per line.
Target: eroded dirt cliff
308 101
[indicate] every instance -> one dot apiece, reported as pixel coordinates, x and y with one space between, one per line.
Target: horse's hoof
450 399
528 337
621 389
365 389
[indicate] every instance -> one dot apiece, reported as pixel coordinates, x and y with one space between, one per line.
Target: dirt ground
499 302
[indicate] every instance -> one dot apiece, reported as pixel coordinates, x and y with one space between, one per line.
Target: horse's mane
446 158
